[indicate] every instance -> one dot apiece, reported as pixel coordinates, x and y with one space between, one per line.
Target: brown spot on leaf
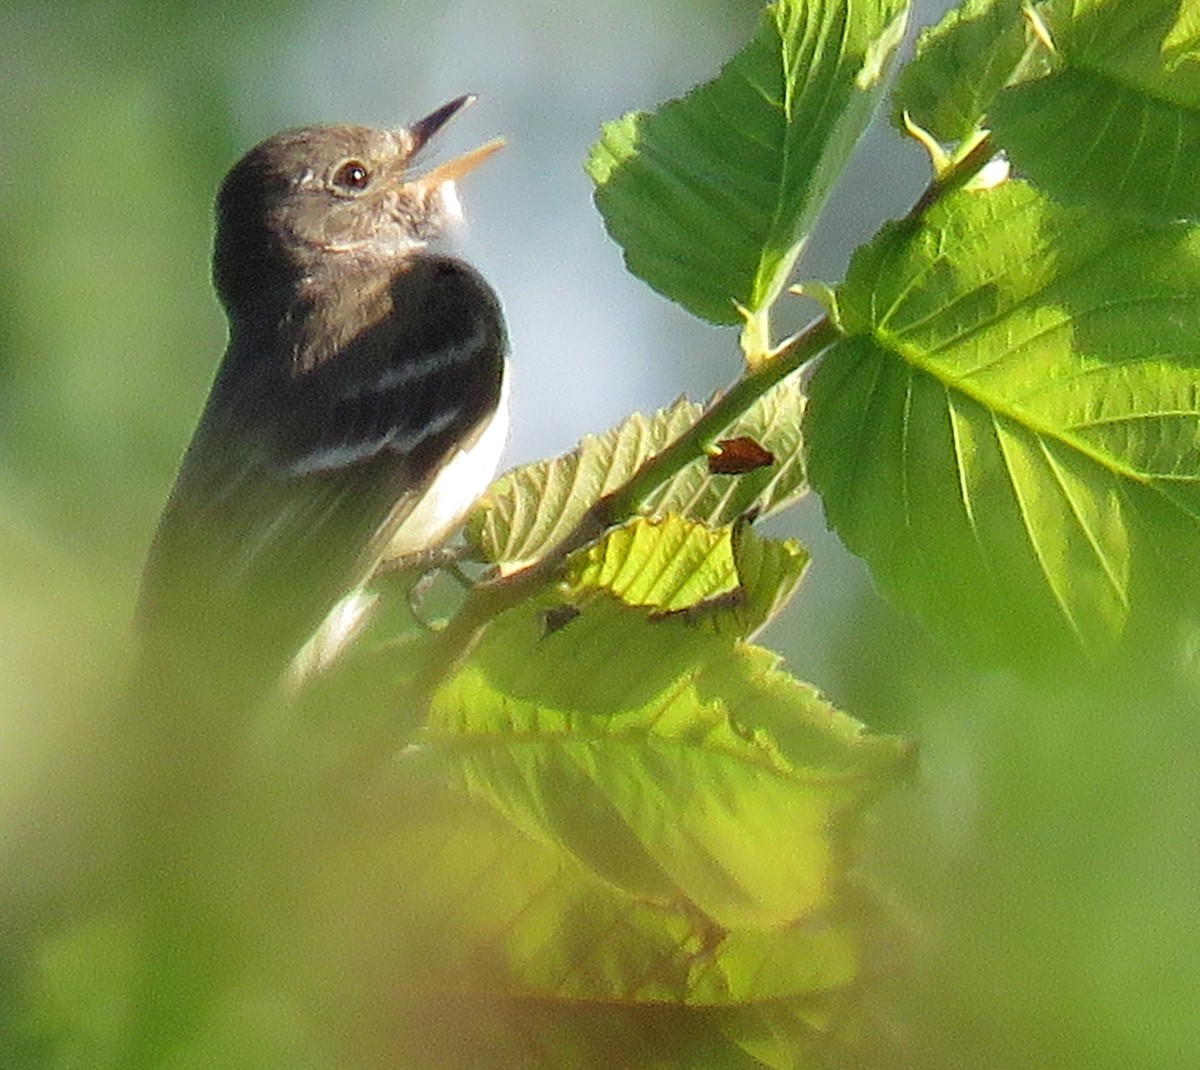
557 618
739 456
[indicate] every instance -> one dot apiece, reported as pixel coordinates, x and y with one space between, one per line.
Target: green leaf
598 736
528 511
1010 433
712 196
1153 45
619 817
769 573
961 64
730 578
1117 125
667 565
774 423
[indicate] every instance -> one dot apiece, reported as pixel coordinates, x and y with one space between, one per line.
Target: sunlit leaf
537 952
667 565
730 580
651 751
624 818
527 511
961 64
1010 433
769 573
711 196
1117 125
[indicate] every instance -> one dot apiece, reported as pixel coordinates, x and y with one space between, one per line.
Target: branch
493 597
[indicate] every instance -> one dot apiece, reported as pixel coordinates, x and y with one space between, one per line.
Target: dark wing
294 483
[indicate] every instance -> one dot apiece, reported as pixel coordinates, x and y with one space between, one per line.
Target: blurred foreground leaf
651 711
623 841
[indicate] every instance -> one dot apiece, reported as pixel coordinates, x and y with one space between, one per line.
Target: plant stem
626 501
491 598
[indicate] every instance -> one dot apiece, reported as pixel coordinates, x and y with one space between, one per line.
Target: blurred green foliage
115 129
1039 877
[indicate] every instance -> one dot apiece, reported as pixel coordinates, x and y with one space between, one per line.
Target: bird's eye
352 175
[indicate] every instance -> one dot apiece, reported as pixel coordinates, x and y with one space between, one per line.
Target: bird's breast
463 477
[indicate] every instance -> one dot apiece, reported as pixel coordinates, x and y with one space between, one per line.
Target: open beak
452 170
424 129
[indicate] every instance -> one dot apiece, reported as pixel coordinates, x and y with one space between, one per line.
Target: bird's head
340 198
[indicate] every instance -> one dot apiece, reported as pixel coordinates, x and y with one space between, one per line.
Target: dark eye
352 175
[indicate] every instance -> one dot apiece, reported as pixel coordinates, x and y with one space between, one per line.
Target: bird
359 410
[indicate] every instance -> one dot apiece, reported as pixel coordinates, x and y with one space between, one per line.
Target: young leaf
711 196
769 573
729 580
527 511
667 565
773 422
1117 125
1010 433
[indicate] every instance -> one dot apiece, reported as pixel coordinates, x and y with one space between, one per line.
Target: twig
491 598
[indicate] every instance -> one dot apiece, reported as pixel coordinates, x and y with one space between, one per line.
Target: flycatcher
360 405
